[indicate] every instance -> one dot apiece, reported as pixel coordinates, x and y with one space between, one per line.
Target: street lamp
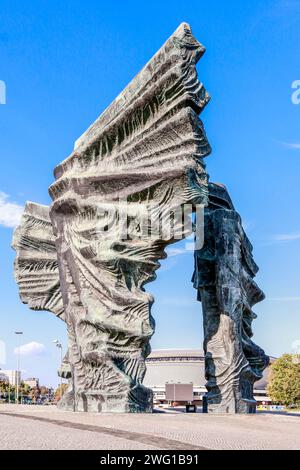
59 345
19 333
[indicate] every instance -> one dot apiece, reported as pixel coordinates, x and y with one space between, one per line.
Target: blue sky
63 62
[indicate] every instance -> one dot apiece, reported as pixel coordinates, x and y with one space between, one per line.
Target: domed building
185 366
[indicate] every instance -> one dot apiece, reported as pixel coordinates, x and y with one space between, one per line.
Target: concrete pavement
41 427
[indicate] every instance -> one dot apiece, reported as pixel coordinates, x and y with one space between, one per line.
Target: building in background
186 366
32 382
3 376
14 376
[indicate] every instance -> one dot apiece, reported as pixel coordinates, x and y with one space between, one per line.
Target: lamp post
19 333
59 345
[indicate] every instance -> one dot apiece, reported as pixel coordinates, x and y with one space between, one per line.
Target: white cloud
2 352
284 299
175 251
290 145
281 238
31 349
178 251
10 212
286 237
179 301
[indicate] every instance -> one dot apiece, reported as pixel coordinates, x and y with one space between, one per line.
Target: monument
88 256
224 272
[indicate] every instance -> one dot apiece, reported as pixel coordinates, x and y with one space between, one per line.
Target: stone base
235 406
137 400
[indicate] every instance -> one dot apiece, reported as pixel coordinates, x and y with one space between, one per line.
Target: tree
60 391
3 389
7 391
284 383
24 389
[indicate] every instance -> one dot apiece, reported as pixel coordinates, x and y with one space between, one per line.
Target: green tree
284 383
24 389
44 391
7 391
35 394
60 391
3 390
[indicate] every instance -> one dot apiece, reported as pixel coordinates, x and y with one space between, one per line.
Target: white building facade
3 377
13 376
32 382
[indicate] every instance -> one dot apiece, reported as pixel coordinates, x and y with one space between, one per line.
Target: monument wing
137 164
36 266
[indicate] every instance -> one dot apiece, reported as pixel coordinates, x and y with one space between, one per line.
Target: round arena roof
175 366
182 366
174 354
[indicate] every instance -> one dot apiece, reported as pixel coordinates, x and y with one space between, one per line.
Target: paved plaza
38 427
